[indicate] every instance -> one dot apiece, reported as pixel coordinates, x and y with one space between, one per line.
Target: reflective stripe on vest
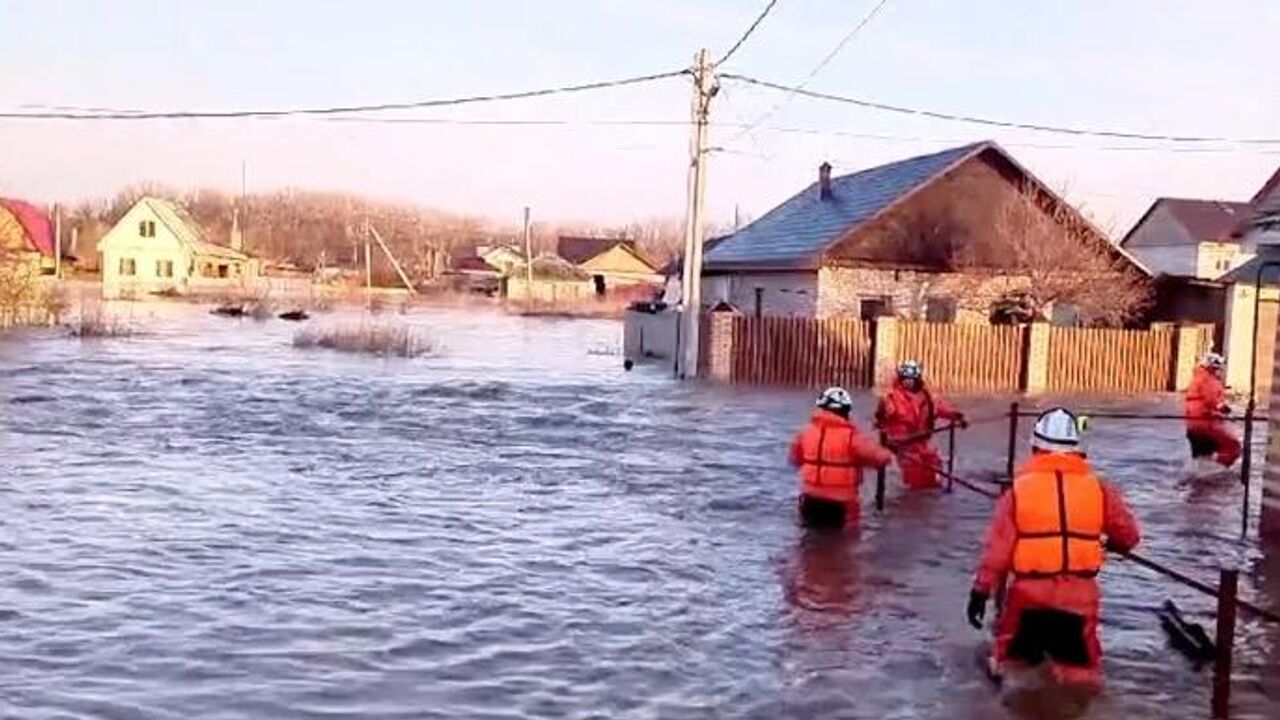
1059 521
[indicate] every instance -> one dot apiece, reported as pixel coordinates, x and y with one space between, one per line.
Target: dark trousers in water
820 514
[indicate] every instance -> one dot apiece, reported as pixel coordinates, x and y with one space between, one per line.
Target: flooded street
205 522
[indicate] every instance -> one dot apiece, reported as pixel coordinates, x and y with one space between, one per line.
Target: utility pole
528 258
368 268
704 88
57 241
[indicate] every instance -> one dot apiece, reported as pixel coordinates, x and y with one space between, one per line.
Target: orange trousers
918 463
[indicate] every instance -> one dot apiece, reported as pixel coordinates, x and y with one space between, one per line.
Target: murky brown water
205 522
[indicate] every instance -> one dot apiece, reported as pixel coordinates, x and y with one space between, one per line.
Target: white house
158 248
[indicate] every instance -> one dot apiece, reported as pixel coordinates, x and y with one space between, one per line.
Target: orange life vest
828 466
1059 512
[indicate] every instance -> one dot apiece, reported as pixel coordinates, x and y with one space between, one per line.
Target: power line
759 19
937 115
866 19
337 110
845 41
1014 144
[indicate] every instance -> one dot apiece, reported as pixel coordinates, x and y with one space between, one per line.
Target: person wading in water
908 415
830 453
1048 534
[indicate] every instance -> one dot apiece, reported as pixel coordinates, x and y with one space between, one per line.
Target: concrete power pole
528 259
704 88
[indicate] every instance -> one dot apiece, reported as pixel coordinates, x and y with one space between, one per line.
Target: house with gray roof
886 241
1189 238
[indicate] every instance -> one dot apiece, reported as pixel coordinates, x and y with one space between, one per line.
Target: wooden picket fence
805 352
966 356
812 352
1089 360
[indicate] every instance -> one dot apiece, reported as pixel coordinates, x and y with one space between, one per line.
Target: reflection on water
205 522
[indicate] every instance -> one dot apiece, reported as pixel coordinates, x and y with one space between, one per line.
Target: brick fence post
720 361
885 346
1189 342
1036 363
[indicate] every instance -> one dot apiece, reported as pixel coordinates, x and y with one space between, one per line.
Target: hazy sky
1169 66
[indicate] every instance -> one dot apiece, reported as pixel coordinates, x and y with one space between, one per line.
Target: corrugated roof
36 228
797 232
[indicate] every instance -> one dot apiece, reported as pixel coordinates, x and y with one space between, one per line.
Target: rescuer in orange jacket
1206 410
1047 535
831 453
907 415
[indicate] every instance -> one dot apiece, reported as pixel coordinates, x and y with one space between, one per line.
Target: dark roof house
885 238
797 234
578 250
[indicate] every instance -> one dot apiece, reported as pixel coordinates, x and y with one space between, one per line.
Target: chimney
824 181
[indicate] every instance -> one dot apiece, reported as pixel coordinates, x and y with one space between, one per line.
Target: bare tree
1059 255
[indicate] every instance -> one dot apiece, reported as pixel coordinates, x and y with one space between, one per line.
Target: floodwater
204 522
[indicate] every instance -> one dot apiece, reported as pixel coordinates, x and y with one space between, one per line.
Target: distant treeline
324 229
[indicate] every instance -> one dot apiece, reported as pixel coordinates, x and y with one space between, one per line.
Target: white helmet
1213 361
1057 430
835 398
911 370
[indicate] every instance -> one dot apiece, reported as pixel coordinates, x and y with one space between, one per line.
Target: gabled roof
797 232
675 266
1203 220
184 227
472 263
36 228
578 250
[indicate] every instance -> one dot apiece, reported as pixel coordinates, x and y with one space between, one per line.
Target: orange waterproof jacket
903 413
831 452
1205 399
1076 592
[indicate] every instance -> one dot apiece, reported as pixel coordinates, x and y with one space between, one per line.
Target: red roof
35 224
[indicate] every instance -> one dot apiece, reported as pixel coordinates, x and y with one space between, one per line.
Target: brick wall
841 289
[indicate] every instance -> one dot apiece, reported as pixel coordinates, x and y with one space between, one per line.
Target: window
759 311
939 309
164 268
206 270
224 271
870 308
128 267
147 228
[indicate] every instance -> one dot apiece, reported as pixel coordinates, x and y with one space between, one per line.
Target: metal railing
1226 593
1246 450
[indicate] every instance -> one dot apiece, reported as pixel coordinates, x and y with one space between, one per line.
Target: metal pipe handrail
1139 416
1140 560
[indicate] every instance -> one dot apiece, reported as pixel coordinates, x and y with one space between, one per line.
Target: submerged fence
813 352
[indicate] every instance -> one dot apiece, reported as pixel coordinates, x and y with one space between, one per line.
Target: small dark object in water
294 315
628 364
228 311
1186 637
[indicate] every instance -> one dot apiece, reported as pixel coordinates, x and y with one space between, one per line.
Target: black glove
961 421
977 610
1112 546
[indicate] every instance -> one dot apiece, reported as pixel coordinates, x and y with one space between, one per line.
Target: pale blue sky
1179 66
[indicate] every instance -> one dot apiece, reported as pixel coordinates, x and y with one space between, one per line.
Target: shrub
366 337
93 323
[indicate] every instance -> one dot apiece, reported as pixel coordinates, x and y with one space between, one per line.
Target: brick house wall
841 292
